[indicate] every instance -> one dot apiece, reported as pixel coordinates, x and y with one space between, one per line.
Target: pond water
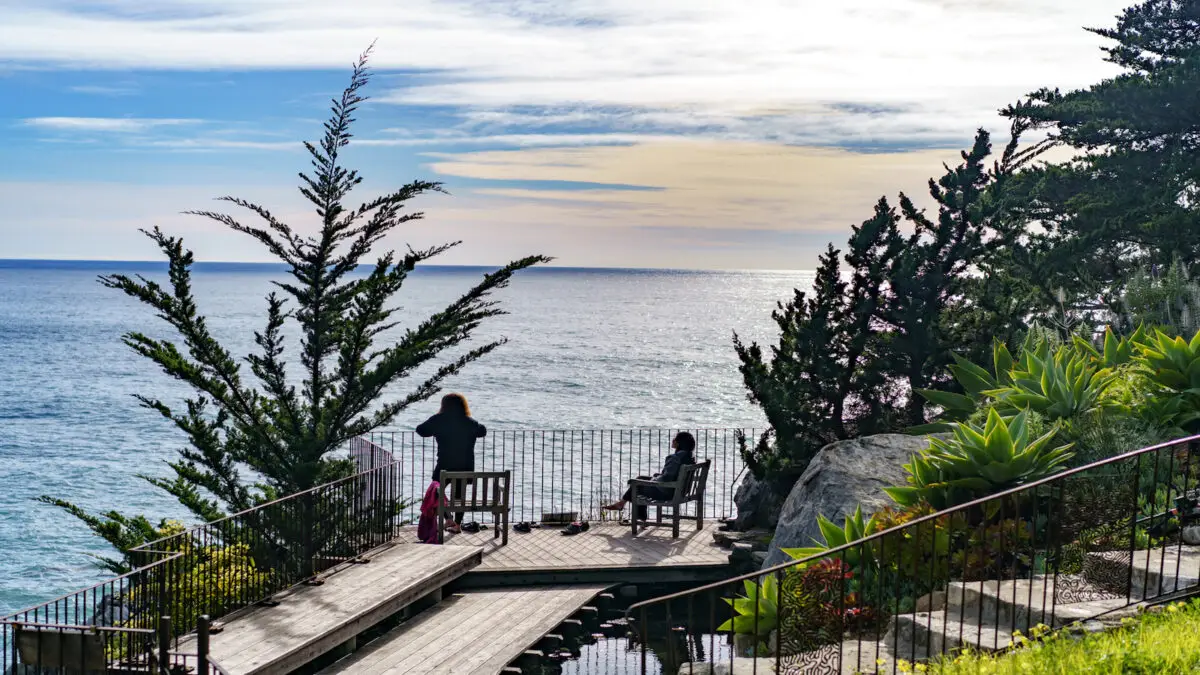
606 645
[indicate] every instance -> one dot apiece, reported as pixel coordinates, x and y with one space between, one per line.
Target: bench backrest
476 491
692 480
63 647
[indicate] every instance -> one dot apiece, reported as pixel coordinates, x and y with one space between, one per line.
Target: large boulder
841 477
758 504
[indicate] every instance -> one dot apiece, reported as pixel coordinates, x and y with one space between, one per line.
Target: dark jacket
455 440
670 470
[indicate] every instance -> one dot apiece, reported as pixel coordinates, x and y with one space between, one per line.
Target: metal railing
220 567
1087 543
565 471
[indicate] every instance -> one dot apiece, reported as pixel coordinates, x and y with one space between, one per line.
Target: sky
718 134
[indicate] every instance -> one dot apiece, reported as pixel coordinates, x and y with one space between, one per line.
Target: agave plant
979 461
855 528
1114 351
1172 364
975 381
755 613
1060 384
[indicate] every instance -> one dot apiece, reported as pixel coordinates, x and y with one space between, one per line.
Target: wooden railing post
202 628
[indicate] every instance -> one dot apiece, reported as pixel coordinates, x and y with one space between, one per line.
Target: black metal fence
211 570
564 471
148 618
1089 543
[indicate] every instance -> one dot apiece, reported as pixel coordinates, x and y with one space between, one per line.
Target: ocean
587 349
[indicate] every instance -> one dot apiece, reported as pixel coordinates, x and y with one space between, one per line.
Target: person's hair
457 403
685 441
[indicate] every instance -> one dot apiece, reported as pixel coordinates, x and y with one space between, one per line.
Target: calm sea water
587 349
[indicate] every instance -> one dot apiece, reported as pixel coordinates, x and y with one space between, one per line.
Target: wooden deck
475 633
603 548
312 620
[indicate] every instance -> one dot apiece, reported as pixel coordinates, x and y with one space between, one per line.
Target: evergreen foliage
1130 198
850 354
256 436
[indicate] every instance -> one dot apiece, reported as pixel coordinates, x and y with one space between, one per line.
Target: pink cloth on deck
427 525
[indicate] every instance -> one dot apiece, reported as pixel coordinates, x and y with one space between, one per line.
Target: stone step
1146 573
921 636
1021 604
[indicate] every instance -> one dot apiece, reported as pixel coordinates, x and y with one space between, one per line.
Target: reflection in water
606 645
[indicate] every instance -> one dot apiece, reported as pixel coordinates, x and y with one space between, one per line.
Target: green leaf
904 496
834 535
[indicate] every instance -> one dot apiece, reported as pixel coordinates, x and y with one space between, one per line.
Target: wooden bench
476 492
79 649
693 478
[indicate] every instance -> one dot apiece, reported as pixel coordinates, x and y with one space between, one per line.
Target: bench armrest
653 483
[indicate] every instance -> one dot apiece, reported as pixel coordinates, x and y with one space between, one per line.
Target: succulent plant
978 461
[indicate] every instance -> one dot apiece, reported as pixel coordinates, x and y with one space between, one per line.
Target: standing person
455 431
684 446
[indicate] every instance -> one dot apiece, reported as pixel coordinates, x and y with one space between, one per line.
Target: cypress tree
915 289
1130 197
260 428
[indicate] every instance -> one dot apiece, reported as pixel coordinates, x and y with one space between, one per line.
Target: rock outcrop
758 504
842 476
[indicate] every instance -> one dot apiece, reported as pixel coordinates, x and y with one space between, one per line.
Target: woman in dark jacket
684 445
455 431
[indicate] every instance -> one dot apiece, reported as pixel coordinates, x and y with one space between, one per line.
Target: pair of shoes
575 527
522 527
471 527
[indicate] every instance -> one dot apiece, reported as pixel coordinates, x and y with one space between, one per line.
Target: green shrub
978 461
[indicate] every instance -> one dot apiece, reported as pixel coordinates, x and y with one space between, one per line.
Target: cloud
105 124
921 71
704 185
220 144
518 140
102 90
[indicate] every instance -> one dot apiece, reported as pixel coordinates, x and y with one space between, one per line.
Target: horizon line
8 262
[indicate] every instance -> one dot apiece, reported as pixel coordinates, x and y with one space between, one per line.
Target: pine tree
943 294
850 354
1131 197
254 439
820 384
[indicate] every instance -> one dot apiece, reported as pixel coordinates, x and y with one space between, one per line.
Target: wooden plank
476 633
606 546
312 620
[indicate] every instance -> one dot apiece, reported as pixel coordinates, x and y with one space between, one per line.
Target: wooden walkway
312 620
604 546
475 633
523 603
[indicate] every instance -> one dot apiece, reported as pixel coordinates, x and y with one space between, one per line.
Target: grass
1161 642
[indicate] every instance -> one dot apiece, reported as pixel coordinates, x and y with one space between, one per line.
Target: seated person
684 445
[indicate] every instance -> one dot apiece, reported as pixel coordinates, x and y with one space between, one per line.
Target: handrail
145 548
914 523
94 587
79 627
